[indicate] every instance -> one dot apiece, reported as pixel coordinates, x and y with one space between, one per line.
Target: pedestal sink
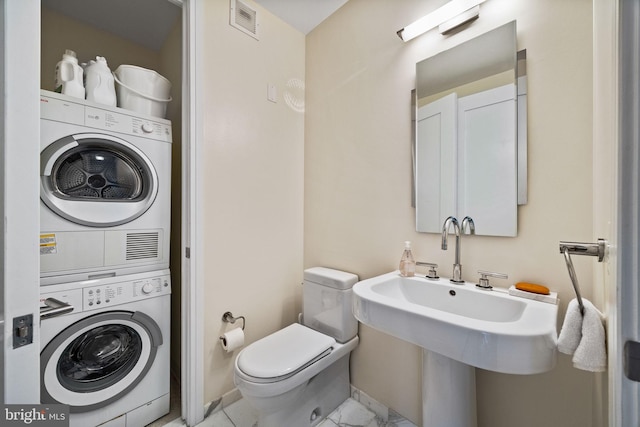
460 327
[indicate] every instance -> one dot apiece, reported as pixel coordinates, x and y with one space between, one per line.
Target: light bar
437 17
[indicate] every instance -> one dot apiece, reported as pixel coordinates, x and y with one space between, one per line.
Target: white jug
69 75
99 82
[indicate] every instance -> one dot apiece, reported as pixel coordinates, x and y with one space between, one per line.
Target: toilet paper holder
233 339
228 318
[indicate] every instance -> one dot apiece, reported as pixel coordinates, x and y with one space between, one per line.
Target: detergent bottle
99 82
69 75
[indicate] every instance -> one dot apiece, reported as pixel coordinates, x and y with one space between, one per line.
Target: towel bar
577 248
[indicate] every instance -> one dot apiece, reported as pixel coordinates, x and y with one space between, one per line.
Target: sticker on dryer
48 244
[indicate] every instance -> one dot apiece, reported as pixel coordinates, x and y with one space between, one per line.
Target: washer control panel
95 294
120 293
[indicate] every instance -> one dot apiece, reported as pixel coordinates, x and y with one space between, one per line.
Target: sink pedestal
448 392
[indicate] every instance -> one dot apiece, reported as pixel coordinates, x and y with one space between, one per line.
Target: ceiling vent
244 18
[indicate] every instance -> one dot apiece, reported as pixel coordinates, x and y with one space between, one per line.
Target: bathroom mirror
471 135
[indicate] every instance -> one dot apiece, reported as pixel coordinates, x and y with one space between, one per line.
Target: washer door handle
54 307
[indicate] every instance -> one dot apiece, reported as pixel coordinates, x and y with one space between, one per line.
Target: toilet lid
284 352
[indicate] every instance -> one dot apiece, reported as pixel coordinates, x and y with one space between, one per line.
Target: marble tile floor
350 414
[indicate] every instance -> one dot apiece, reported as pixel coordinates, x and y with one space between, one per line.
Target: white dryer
105 190
108 358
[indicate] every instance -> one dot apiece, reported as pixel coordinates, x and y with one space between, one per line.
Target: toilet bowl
300 374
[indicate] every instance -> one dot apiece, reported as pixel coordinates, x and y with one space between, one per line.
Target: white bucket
142 90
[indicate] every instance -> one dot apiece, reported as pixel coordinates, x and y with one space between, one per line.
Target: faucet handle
483 282
432 274
467 221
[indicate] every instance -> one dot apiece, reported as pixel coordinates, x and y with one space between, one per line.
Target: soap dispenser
407 263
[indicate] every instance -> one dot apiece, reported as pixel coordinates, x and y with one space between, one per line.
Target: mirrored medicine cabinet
470 145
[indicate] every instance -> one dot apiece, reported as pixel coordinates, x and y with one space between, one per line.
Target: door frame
627 392
192 292
609 202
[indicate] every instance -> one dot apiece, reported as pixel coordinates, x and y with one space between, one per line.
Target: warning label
48 244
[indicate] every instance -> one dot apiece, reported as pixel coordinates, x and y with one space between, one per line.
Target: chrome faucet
457 267
468 221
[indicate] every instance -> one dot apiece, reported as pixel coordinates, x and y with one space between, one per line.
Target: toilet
300 374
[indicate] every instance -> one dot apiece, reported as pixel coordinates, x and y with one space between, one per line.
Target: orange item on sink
532 287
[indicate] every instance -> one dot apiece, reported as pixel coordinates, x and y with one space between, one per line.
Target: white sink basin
486 329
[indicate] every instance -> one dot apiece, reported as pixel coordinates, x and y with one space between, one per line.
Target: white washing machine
108 359
105 190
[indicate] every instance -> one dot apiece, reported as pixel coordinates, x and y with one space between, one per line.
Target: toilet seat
284 353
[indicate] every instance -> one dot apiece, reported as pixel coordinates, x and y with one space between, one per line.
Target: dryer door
98 360
96 180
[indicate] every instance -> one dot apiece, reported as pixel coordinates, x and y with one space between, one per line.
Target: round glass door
98 359
87 173
96 180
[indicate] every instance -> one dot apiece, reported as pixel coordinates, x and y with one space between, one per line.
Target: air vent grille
142 245
244 18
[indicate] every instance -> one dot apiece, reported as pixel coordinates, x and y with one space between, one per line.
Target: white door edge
192 366
20 195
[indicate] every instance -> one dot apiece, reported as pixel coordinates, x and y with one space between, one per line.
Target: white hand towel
591 354
571 331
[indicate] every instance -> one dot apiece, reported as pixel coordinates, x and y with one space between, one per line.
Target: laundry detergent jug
69 75
99 82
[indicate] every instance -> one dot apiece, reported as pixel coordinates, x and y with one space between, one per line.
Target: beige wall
252 158
358 193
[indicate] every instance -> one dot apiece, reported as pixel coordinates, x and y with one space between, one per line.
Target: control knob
147 288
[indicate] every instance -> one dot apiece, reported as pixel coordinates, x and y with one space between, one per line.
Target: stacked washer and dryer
104 262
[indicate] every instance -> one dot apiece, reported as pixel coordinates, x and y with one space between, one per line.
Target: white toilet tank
327 298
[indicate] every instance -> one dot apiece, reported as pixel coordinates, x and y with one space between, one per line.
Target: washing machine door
96 180
98 360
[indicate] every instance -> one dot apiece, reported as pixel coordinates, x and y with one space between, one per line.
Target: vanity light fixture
448 16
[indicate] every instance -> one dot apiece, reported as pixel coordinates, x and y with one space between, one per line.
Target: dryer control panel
67 109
